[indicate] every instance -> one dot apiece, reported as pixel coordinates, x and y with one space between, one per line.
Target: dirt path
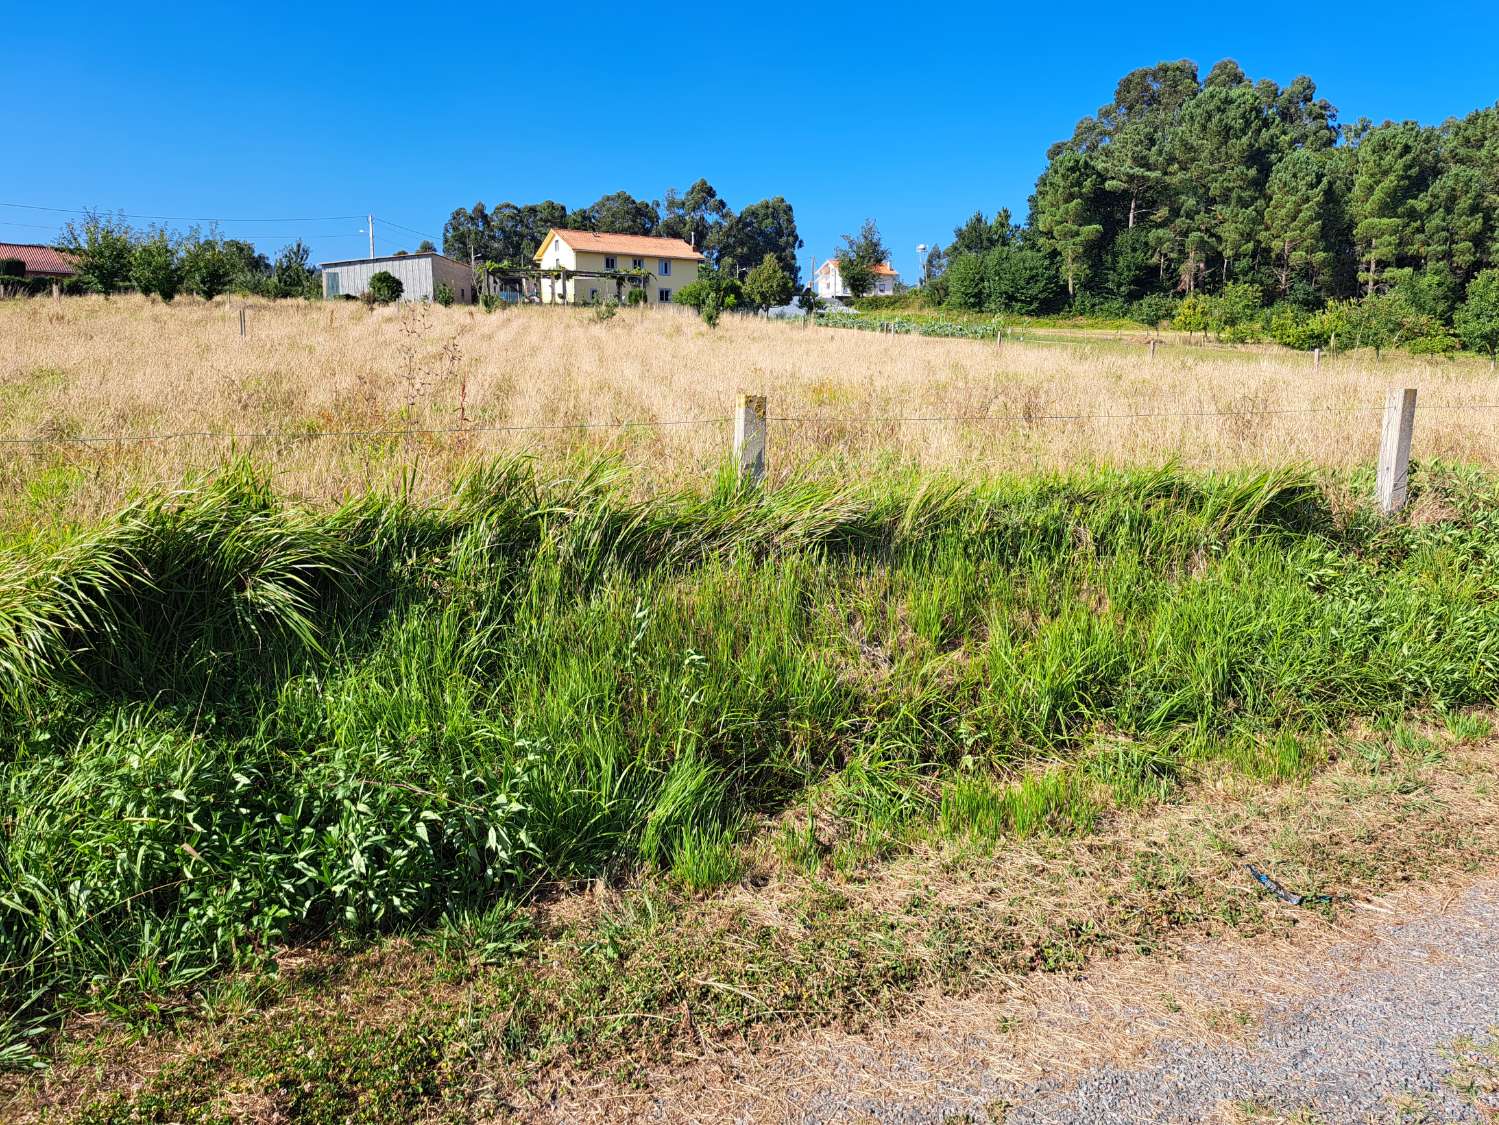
1344 1022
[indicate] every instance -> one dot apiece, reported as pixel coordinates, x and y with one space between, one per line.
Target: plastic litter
1282 893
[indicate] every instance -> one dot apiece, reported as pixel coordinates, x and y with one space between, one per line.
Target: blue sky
912 114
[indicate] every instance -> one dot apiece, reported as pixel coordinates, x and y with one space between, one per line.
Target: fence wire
836 419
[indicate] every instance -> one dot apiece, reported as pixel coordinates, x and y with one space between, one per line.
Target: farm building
660 266
830 281
419 275
36 261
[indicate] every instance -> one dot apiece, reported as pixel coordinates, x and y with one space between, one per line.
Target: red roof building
39 261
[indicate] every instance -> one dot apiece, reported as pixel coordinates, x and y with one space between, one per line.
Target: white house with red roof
830 281
589 260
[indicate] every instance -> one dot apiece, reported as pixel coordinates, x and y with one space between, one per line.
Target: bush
635 297
1477 318
1294 328
1153 309
1193 315
768 285
206 269
965 282
1022 280
12 267
154 267
444 294
1235 312
385 287
490 302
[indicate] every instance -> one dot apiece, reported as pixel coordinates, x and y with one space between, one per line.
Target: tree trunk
1133 198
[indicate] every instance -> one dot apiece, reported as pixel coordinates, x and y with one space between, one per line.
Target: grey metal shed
419 275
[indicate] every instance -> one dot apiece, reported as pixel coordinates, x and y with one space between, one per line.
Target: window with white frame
665 295
664 267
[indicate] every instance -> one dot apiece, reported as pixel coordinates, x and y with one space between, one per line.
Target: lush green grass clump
232 722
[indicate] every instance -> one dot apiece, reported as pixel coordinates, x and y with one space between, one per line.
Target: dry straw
326 393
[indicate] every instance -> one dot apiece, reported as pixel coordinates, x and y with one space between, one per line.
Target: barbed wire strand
969 419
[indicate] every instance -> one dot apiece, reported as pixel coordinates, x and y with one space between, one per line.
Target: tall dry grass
133 367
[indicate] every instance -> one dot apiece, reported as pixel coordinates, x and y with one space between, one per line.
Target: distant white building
830 281
419 274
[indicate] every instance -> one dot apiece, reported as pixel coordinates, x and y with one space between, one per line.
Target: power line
408 230
189 217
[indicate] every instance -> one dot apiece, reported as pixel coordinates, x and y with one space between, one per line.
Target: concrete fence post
749 437
1395 450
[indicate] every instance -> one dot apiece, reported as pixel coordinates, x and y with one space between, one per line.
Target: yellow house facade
661 266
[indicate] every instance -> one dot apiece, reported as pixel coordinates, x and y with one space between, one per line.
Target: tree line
112 255
1186 191
509 234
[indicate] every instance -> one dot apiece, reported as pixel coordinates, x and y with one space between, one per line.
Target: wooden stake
1395 450
1316 357
749 437
242 320
1152 347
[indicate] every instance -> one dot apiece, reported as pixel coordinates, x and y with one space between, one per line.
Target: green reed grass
233 722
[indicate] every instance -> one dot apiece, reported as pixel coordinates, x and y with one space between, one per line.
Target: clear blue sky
914 114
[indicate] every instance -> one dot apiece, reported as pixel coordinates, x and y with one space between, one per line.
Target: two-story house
660 266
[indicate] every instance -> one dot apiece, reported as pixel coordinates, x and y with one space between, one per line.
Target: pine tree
1065 209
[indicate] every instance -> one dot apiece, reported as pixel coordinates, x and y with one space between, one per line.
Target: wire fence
850 421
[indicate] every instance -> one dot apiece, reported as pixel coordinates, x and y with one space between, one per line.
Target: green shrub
1154 309
491 302
154 267
1293 327
385 287
767 285
12 267
444 294
636 296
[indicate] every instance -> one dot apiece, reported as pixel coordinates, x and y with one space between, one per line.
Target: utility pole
371 229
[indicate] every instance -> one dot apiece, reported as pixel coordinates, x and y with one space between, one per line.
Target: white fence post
749 437
1395 449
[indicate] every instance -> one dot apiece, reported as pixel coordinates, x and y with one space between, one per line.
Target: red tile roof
628 245
39 260
882 269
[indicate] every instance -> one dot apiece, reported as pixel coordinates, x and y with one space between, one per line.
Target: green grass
234 723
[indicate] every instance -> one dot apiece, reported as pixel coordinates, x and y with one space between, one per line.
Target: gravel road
1372 1036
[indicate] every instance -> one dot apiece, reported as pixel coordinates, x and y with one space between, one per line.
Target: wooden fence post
1316 357
242 320
749 437
1395 449
1152 347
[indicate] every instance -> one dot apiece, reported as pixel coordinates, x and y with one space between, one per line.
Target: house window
637 263
332 276
665 267
608 263
593 294
665 295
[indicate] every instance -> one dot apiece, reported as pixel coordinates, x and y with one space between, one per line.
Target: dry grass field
306 376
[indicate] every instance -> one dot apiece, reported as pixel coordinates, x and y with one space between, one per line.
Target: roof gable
627 245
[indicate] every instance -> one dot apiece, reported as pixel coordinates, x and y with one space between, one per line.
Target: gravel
1375 1036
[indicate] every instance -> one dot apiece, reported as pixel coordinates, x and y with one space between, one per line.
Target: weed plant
232 723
